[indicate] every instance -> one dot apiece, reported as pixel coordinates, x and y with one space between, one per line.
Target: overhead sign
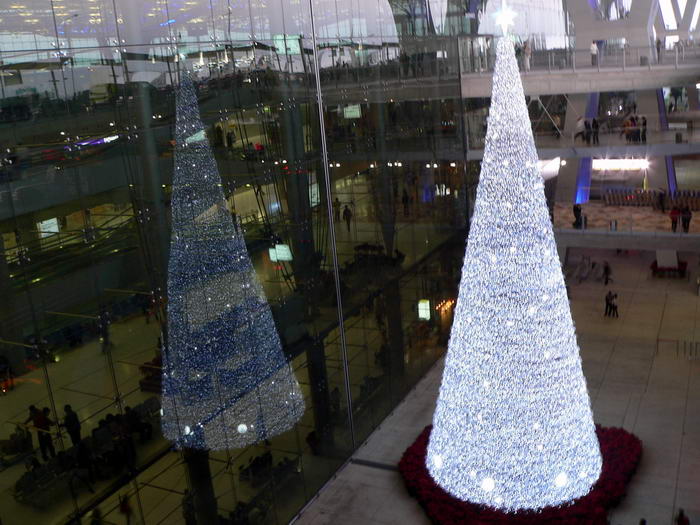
424 309
280 252
352 111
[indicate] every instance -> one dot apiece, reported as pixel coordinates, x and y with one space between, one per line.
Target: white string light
226 380
513 427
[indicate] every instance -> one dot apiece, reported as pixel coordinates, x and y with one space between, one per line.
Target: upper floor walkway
610 144
564 71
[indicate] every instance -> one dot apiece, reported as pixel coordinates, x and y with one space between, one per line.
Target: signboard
287 45
47 228
197 137
424 309
280 252
352 111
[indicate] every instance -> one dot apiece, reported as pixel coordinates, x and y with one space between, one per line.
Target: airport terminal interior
338 149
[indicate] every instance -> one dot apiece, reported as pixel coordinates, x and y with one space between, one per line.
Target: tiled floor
642 372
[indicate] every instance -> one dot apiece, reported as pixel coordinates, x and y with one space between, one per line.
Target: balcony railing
560 60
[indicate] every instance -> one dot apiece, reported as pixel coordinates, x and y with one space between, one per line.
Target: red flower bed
621 454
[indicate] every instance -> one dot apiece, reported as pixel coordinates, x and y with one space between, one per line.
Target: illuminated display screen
280 252
353 111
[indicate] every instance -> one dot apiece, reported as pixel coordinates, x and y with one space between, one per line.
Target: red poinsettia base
621 454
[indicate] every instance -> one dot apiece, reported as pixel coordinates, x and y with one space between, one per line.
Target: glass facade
353 202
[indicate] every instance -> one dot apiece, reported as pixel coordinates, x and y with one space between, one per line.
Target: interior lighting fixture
620 164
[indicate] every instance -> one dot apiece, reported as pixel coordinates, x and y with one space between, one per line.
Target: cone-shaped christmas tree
226 380
513 427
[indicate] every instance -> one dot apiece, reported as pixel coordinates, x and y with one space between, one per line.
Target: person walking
32 414
188 511
613 307
595 128
609 297
72 424
634 129
103 322
527 54
556 124
626 125
658 51
587 127
607 272
43 424
644 130
594 53
125 508
681 518
662 200
580 129
686 215
347 216
675 213
578 217
96 517
336 209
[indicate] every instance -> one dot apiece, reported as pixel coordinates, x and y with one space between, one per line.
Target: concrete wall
636 28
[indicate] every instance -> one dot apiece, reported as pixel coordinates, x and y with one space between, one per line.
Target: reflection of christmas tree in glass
513 427
226 381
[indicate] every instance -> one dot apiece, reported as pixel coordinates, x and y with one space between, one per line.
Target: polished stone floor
643 374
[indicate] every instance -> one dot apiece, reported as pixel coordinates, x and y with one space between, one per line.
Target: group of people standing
634 128
524 53
42 422
684 214
588 130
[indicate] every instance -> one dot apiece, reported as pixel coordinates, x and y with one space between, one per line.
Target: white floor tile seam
680 452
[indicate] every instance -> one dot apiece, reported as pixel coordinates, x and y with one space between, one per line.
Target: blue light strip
583 178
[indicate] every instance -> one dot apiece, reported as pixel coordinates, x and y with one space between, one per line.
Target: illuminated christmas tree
513 427
226 380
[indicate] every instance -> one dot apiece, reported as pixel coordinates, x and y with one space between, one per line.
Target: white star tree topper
505 17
